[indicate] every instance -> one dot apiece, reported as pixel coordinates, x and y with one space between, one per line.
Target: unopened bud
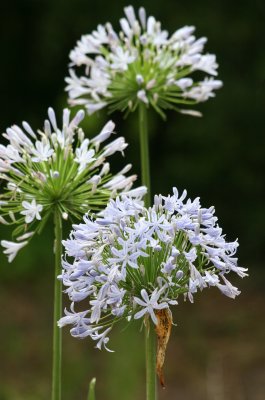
3 221
150 84
81 135
65 216
12 216
179 274
139 79
55 174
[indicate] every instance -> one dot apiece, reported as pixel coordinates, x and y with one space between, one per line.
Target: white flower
31 211
204 90
91 108
184 83
120 59
131 262
42 152
105 133
84 156
56 168
117 145
206 63
141 63
12 248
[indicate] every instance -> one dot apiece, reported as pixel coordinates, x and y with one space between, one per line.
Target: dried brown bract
163 330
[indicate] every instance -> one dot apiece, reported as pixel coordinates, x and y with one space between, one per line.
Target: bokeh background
216 351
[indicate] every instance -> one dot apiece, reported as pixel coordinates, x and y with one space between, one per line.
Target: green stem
150 359
91 391
144 147
150 337
57 333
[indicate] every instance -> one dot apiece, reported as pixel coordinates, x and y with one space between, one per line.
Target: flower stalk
150 360
144 149
57 333
150 338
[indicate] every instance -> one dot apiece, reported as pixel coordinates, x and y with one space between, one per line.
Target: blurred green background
217 351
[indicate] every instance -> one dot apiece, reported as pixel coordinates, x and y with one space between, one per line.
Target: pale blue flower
149 304
130 262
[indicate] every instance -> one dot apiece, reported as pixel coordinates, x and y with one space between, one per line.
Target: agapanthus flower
56 168
141 64
133 262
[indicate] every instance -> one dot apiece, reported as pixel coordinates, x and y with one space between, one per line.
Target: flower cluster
141 64
132 261
56 168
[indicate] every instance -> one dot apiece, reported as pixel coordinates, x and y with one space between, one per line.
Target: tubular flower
141 64
56 167
132 262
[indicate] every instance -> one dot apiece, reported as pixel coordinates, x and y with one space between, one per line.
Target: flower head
141 64
56 168
133 262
